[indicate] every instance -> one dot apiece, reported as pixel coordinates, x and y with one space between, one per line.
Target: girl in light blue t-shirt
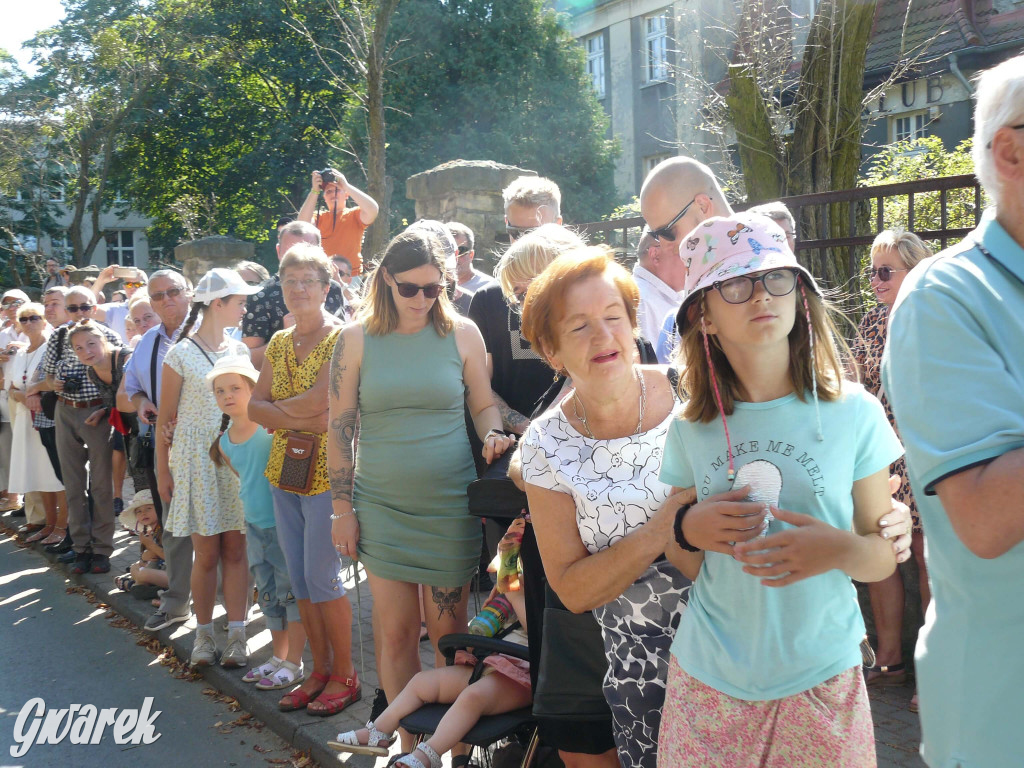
766 661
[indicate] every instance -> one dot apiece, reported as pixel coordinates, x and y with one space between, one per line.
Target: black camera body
329 176
73 384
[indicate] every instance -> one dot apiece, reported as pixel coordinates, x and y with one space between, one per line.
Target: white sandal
411 761
377 743
255 674
284 676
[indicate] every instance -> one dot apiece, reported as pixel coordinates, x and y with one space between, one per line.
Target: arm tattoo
343 428
341 484
511 419
446 600
337 368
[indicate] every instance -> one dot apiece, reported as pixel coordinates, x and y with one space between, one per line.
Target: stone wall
469 192
198 257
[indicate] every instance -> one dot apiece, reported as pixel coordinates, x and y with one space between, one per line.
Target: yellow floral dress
281 356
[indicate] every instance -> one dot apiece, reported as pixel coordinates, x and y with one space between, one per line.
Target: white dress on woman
31 469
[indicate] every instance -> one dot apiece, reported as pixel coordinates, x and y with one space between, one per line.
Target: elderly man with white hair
953 370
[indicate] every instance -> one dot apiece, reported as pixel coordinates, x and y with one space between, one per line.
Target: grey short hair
62 290
777 211
82 290
999 102
174 275
300 229
533 192
461 230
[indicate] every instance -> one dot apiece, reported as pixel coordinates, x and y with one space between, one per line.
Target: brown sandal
885 675
332 703
39 535
299 699
56 537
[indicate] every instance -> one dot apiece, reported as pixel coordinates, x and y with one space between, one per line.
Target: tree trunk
760 152
377 181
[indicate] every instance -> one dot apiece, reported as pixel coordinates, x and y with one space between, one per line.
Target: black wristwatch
677 530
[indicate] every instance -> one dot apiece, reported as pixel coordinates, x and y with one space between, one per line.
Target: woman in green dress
405 371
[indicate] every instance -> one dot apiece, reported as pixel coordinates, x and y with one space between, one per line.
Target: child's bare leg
492 694
154 576
279 642
431 686
295 643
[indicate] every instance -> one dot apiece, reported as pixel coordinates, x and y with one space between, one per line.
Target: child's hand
722 519
897 526
784 558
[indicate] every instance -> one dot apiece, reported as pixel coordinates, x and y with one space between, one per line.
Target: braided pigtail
215 454
190 322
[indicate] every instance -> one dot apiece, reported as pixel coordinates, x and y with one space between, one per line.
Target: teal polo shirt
953 370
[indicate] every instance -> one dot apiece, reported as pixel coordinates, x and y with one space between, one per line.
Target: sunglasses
79 307
738 290
31 319
13 303
170 293
463 250
514 233
133 284
884 273
409 290
666 233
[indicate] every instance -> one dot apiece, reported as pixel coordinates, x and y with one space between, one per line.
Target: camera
329 176
72 384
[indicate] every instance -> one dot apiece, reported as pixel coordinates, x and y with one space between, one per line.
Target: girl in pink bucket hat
766 660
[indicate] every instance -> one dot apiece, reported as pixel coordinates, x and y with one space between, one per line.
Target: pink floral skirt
516 670
828 726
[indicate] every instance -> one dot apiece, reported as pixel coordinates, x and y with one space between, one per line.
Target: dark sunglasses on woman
884 273
409 290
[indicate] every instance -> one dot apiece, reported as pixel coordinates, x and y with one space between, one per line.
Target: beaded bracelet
343 514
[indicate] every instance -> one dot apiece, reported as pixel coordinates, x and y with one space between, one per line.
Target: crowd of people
708 466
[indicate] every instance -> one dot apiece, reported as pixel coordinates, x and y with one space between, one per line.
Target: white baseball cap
220 282
240 364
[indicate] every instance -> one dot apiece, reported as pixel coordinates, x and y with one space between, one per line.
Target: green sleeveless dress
413 462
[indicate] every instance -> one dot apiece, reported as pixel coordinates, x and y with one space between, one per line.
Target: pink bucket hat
724 247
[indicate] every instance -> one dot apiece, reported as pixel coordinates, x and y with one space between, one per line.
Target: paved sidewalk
897 731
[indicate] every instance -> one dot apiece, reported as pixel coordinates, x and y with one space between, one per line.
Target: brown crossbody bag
301 450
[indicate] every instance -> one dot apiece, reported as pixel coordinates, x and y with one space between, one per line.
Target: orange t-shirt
343 237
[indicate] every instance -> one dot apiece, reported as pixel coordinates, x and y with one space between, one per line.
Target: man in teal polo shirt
954 372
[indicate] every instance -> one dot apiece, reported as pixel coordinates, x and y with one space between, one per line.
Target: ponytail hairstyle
190 321
215 453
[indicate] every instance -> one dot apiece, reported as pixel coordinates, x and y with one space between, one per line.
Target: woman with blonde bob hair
893 254
406 369
530 255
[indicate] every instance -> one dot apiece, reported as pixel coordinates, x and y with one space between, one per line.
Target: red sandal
332 703
299 699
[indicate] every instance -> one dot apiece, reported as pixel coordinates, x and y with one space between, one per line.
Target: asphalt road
60 650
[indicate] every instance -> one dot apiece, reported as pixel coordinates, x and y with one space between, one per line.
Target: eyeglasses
737 290
885 273
463 250
309 284
666 232
1012 128
79 307
409 290
170 293
30 319
133 285
514 233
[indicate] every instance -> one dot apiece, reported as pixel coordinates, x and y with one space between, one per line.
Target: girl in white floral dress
204 500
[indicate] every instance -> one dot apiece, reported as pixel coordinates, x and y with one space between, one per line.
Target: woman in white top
31 469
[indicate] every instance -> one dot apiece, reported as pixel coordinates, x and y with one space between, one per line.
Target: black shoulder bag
140 445
48 398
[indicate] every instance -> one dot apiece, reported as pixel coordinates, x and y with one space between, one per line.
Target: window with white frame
656 47
28 243
595 62
60 246
908 127
121 247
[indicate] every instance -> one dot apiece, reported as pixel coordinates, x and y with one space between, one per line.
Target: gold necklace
582 419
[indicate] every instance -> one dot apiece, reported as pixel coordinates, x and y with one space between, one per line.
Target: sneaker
160 620
67 557
100 564
235 654
204 651
82 563
61 547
